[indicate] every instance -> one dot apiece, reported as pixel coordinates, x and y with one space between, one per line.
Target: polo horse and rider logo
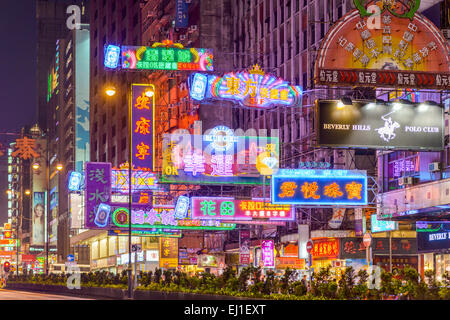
387 132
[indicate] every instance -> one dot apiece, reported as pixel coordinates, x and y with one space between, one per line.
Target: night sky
17 78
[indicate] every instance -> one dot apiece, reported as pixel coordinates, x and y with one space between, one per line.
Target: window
124 12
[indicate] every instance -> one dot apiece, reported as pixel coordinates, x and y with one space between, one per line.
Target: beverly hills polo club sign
366 124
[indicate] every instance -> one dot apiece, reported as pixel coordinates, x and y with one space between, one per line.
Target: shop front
325 253
433 242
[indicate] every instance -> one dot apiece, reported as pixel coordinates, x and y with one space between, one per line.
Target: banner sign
219 157
289 262
38 222
366 124
353 248
168 252
244 247
145 216
384 46
433 236
181 14
140 180
143 127
230 209
98 191
360 222
325 248
253 88
160 56
319 187
267 253
338 217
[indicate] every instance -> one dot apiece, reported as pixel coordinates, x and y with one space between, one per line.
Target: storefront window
103 248
112 250
94 250
123 242
442 265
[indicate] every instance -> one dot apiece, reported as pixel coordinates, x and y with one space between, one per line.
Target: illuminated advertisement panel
142 129
98 192
219 157
161 57
368 124
392 46
325 248
140 180
433 236
161 217
319 187
382 225
267 253
253 88
231 209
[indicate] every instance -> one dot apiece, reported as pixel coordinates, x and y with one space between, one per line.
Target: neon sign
198 86
253 88
230 209
112 56
267 253
140 180
217 158
166 56
381 225
142 130
75 179
319 187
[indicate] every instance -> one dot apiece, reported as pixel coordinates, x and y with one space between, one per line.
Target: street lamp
149 92
35 166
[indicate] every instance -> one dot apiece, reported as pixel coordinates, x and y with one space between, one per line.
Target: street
24 295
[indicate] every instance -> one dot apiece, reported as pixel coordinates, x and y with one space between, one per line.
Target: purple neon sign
267 253
98 191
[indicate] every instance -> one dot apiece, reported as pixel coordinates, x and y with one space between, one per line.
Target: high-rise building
51 17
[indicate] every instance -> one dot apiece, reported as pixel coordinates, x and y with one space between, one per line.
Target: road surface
28 295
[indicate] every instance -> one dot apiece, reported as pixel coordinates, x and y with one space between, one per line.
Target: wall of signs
319 187
366 124
230 209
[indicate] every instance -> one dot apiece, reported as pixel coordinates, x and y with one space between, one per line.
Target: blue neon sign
74 183
198 86
112 56
319 187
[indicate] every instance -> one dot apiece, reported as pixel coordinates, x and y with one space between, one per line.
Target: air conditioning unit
446 33
193 28
434 166
404 181
182 37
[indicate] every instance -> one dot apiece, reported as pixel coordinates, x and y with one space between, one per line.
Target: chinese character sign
244 247
395 52
319 187
140 180
25 149
325 248
230 209
98 191
267 253
142 129
168 252
167 58
253 88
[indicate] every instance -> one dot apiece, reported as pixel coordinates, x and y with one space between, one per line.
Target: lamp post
111 91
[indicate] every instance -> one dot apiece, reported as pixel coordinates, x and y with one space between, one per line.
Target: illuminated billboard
160 56
253 88
143 126
230 209
384 46
319 187
382 225
366 124
218 157
433 236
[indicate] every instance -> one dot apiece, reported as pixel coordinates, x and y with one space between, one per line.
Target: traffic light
6 266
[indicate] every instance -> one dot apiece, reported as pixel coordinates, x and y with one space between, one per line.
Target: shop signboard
143 127
152 255
433 236
168 252
289 262
267 253
231 209
353 248
251 88
385 46
368 124
140 180
319 187
244 247
220 156
325 248
164 55
181 14
211 261
382 225
98 191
